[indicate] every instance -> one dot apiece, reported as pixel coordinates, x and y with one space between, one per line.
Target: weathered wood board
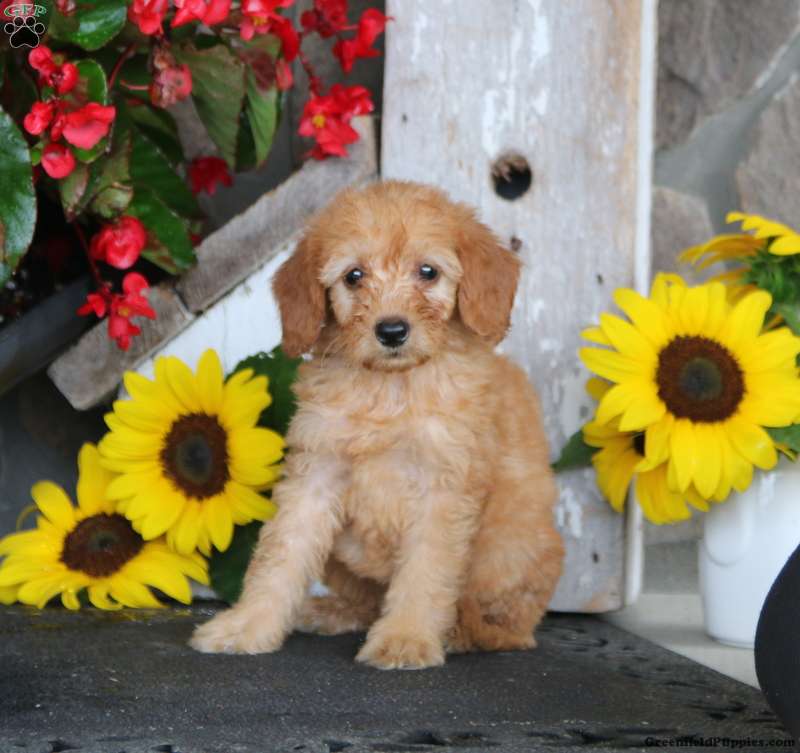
566 86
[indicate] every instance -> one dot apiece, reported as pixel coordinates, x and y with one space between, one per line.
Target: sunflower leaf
226 569
787 435
281 372
576 454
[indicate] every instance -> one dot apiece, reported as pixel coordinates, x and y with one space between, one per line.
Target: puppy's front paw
237 631
386 650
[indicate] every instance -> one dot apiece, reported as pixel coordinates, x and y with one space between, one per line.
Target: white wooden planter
746 541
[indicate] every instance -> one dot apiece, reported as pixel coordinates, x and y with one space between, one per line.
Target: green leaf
226 569
17 198
93 24
159 126
576 454
168 237
788 435
218 90
110 190
281 371
150 169
262 112
72 190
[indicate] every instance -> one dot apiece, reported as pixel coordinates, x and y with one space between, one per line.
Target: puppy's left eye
427 272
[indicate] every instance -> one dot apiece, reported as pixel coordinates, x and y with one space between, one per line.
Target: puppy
418 485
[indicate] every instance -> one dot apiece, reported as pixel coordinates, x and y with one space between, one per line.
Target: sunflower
90 547
768 237
620 457
190 458
697 376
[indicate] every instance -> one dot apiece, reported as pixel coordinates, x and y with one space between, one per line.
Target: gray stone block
90 371
768 179
713 52
229 255
678 220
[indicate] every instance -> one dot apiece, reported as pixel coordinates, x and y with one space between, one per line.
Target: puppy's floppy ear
301 299
487 287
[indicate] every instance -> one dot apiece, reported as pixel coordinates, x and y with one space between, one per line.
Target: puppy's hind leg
515 565
352 605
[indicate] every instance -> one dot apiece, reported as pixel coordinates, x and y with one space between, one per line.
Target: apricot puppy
418 485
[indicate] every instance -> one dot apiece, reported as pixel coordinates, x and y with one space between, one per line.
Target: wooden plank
559 84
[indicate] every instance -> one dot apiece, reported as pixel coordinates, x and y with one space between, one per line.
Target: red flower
290 41
326 119
57 160
148 15
86 126
123 307
217 12
370 26
120 308
261 17
171 85
66 7
352 100
206 172
328 17
37 120
188 11
96 304
62 77
210 13
119 244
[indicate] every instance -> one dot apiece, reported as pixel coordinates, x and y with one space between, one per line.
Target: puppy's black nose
392 332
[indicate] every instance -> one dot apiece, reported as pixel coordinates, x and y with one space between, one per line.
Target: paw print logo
24 32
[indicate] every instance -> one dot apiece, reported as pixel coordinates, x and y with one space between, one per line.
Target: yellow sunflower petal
210 382
98 595
54 503
219 522
683 453
754 444
131 593
93 480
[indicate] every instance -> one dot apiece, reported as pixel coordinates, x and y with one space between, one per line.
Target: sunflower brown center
699 379
100 545
195 455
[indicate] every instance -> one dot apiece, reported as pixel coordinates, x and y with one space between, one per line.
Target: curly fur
418 485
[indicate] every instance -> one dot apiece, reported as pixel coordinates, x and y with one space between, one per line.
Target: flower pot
746 541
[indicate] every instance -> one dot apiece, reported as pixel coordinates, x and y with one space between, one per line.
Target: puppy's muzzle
392 332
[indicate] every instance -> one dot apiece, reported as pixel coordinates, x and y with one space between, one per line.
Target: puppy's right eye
353 277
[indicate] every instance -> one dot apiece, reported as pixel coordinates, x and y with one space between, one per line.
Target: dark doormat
99 682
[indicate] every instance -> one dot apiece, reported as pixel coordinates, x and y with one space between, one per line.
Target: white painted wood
242 323
561 84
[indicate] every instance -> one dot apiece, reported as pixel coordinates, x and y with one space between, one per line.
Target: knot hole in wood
512 175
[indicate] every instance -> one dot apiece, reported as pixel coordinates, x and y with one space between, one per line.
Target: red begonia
120 243
121 308
206 172
370 26
148 15
210 13
62 77
328 17
326 119
57 160
87 125
40 116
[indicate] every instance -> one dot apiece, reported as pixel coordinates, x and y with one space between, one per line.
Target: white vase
746 541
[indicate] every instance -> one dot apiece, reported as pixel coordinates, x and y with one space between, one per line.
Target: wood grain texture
558 83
